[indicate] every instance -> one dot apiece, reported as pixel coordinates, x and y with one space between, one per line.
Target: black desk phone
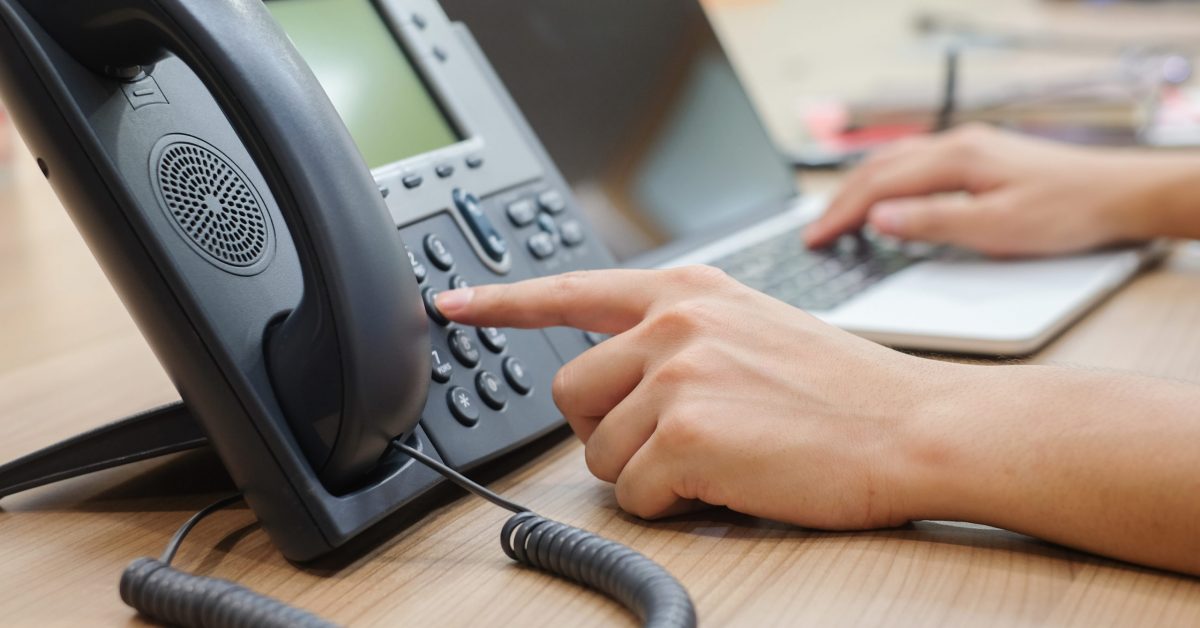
277 190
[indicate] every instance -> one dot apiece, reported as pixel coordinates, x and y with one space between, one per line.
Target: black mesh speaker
212 204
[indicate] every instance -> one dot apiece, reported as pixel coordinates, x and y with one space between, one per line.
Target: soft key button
552 201
493 243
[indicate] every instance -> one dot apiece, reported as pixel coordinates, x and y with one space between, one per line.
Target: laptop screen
639 106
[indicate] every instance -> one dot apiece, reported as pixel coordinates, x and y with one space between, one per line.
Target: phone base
156 432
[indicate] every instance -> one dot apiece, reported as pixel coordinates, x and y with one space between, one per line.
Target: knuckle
596 463
682 369
967 140
700 275
689 318
673 322
681 429
628 501
567 286
568 282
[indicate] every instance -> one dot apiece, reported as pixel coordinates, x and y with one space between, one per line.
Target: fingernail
888 216
454 300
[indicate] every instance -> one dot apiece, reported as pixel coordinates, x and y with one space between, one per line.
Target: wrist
1161 199
952 441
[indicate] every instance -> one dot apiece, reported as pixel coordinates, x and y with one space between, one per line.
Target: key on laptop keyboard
786 269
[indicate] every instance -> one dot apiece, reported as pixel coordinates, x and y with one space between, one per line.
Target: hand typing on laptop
713 393
1008 195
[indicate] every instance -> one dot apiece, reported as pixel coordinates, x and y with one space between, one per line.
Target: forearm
1163 198
1097 461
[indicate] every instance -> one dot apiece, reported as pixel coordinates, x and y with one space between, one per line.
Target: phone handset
349 365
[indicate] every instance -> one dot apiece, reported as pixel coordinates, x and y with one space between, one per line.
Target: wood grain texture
70 359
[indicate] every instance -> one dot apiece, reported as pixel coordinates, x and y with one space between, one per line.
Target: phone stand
156 432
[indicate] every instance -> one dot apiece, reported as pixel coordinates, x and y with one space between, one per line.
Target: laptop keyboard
819 280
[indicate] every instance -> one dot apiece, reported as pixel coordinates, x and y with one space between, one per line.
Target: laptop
642 110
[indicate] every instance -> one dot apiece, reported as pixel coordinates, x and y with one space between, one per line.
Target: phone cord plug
157 590
638 583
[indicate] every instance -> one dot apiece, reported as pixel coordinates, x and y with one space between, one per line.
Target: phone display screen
376 89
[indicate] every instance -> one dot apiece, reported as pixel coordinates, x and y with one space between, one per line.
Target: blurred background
797 56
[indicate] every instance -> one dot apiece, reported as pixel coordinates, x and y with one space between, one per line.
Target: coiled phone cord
157 590
178 598
637 582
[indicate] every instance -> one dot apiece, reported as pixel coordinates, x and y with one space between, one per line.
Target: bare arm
712 393
1102 462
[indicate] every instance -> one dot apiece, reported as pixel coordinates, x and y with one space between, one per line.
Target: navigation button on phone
521 213
552 201
541 244
571 233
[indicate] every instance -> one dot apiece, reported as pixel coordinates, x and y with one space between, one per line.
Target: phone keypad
490 388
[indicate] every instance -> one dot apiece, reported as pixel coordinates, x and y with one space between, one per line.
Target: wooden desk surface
70 359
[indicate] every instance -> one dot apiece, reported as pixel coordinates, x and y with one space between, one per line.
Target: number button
442 369
464 348
428 295
491 390
438 253
515 373
463 406
418 268
493 339
457 283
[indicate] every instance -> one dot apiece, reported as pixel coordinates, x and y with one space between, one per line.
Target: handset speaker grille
212 205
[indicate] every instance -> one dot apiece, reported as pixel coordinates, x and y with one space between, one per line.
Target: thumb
943 219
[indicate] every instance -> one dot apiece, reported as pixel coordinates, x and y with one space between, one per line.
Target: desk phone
277 190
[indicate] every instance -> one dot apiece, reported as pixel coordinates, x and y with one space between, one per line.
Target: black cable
458 478
186 528
638 583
